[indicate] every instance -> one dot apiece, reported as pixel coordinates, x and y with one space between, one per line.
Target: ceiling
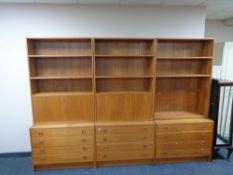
216 9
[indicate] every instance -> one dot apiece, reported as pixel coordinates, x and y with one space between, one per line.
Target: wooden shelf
61 93
184 58
183 76
59 77
129 76
124 56
61 124
125 123
124 92
60 56
178 115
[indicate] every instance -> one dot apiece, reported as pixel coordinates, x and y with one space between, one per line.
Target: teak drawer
163 146
116 134
181 153
166 128
66 154
62 132
61 141
182 137
127 151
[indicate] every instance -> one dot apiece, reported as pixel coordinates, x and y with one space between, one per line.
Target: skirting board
15 154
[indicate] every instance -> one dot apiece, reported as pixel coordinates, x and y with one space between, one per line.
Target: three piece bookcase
118 101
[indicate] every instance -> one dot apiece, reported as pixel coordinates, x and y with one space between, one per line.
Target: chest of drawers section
119 143
191 138
61 145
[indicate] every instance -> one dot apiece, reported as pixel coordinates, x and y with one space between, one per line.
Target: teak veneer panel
63 108
183 94
124 107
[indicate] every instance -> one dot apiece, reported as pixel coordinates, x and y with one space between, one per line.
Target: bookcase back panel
202 67
62 85
123 85
124 66
62 67
124 107
185 48
60 47
62 108
182 94
124 47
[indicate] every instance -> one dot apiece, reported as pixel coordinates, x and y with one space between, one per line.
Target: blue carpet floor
23 166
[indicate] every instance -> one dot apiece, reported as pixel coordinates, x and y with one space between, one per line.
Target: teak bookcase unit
183 80
62 87
119 101
124 70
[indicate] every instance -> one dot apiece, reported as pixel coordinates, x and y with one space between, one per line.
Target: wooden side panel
124 107
63 108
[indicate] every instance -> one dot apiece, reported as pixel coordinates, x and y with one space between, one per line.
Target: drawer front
62 132
182 153
68 154
190 127
117 134
163 146
126 151
181 137
61 141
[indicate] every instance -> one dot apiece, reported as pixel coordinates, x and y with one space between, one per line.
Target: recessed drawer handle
203 127
40 133
84 140
84 148
105 156
42 160
84 157
84 131
144 146
41 142
42 151
105 139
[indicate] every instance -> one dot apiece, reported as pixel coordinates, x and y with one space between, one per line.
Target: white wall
221 33
20 21
216 29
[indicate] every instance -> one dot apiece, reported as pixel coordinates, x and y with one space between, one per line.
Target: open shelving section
61 76
183 77
124 65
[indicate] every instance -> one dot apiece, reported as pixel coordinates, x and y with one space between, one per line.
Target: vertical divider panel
94 92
